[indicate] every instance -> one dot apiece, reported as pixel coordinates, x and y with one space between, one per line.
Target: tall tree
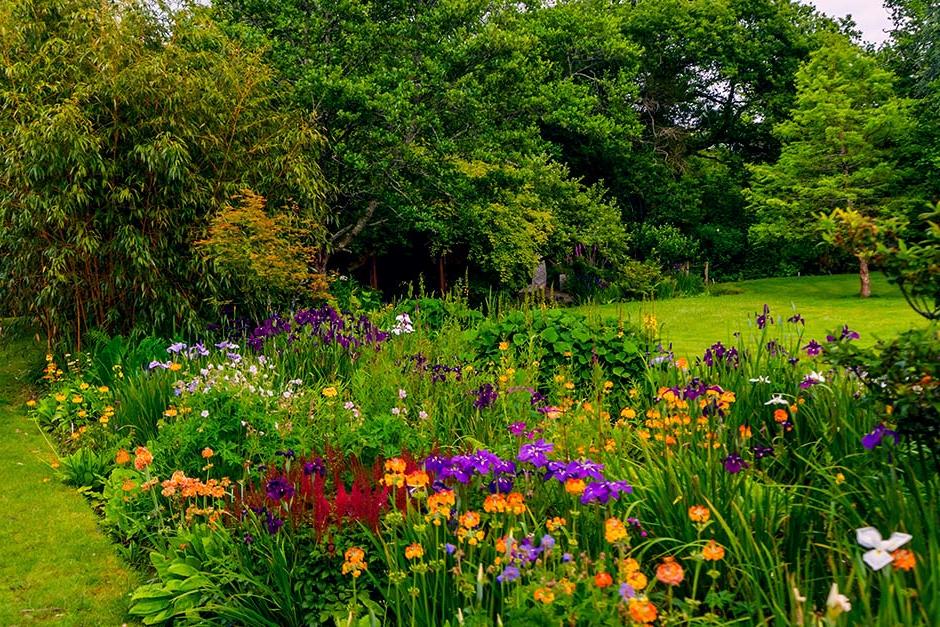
839 152
122 132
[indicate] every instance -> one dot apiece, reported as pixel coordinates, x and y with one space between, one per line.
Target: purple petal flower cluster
797 319
603 492
879 433
464 467
760 452
510 573
734 463
764 318
439 372
718 353
846 334
535 453
813 348
279 488
485 396
315 466
272 523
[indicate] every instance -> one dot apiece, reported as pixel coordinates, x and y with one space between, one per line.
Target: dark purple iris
501 484
288 454
796 319
517 428
248 538
764 318
272 523
813 348
485 396
316 466
734 463
760 452
279 488
873 439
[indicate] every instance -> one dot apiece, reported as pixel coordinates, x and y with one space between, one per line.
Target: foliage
265 256
914 265
123 132
838 152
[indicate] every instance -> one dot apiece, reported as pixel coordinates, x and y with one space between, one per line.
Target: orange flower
355 562
682 363
555 523
574 486
128 485
395 465
713 551
904 559
207 453
642 611
637 580
515 503
417 479
781 415
122 457
414 551
745 431
614 530
670 572
470 520
602 580
544 595
142 458
699 514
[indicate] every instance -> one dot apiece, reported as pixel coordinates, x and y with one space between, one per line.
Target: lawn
826 302
55 564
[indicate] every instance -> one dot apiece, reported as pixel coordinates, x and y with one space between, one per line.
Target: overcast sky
870 15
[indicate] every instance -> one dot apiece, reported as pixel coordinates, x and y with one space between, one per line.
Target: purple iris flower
315 466
288 454
764 318
556 470
434 463
175 348
873 439
534 452
248 538
567 557
604 491
734 463
848 334
273 523
279 488
813 348
797 319
485 396
761 452
584 469
517 428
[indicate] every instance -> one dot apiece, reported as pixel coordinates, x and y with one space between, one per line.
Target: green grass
56 567
826 302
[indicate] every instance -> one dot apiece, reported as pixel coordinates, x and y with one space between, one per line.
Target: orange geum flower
544 595
414 551
494 503
128 485
781 415
614 530
515 503
142 458
745 431
207 453
417 479
575 486
670 572
602 580
642 611
556 522
699 514
904 559
637 580
396 465
713 552
122 457
470 520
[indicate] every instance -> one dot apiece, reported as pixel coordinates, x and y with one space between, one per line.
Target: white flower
395 411
204 413
423 415
880 554
815 376
760 379
777 399
349 405
837 603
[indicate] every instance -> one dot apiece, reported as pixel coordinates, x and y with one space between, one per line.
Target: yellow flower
76 399
329 392
104 389
414 551
637 580
171 412
614 530
31 403
628 413
175 367
840 478
544 595
504 346
83 386
104 419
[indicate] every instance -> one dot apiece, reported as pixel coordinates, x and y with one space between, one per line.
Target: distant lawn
826 302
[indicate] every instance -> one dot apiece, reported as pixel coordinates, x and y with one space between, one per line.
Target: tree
122 132
838 152
433 113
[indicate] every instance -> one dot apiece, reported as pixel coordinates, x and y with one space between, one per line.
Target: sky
870 15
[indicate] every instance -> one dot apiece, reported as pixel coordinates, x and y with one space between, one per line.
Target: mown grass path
56 566
826 302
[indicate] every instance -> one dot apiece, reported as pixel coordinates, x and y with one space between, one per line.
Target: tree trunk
864 278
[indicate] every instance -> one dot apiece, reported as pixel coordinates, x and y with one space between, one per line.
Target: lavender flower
510 573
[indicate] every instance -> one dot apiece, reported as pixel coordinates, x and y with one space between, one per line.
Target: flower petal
896 540
877 559
868 537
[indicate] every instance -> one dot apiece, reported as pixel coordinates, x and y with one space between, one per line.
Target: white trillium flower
837 603
880 554
777 399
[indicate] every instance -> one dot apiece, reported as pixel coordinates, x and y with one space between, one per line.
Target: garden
468 313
